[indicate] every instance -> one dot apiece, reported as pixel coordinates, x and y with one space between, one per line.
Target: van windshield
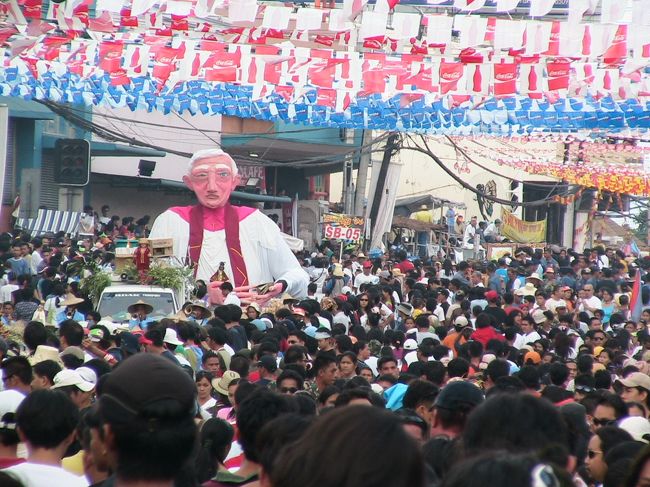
115 304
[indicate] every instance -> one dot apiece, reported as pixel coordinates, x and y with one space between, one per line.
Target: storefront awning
51 221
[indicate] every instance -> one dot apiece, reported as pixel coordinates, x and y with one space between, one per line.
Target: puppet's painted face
212 179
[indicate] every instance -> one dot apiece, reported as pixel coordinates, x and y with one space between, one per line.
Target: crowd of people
531 370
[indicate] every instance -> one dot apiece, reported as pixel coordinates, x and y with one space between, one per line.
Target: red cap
491 295
367 264
143 340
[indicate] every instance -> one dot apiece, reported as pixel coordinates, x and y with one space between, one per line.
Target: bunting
452 74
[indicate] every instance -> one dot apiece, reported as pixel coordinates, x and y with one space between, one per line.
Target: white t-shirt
37 475
5 292
363 279
593 302
232 298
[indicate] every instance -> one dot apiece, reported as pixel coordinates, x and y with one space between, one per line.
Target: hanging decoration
358 66
614 172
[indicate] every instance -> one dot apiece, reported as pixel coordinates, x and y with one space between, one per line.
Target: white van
115 300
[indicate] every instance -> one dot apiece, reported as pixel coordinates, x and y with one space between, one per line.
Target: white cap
171 337
9 402
346 289
638 427
69 377
87 374
410 344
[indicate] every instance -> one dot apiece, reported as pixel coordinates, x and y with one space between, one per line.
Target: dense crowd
531 370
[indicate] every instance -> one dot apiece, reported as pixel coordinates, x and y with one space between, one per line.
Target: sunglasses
288 390
592 453
603 422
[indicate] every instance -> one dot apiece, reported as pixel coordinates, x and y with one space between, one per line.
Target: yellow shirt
74 464
422 216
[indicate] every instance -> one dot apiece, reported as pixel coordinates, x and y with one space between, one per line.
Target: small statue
142 259
220 275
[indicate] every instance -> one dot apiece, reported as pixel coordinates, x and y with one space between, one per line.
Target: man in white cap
78 385
214 231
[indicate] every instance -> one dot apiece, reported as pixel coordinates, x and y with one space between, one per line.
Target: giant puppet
214 231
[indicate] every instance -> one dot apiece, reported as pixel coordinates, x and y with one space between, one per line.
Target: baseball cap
9 402
68 377
322 333
96 335
143 381
491 295
410 344
638 427
268 362
460 322
74 351
87 374
636 379
459 395
259 324
367 264
533 356
539 316
550 269
129 342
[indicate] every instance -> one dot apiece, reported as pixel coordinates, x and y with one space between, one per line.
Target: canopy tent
416 225
51 221
295 244
352 67
408 204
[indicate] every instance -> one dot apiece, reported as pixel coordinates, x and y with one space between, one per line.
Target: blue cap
261 325
310 331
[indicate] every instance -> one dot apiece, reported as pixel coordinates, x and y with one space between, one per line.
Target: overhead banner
522 231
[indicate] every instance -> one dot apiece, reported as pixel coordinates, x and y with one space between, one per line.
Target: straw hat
221 384
288 298
535 275
71 300
143 241
139 302
201 304
528 290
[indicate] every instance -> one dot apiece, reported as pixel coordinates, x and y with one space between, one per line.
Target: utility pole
362 173
391 146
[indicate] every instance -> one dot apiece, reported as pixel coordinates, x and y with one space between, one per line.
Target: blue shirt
503 274
133 322
62 316
19 266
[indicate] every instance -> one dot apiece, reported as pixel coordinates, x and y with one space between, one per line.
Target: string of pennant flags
619 171
355 66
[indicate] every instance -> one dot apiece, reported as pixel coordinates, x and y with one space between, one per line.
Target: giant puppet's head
212 175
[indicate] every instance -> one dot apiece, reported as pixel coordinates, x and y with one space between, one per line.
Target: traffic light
72 163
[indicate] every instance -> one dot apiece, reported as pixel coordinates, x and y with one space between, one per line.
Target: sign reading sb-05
342 233
72 163
337 226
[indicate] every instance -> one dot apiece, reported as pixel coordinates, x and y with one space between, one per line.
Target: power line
117 136
465 185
